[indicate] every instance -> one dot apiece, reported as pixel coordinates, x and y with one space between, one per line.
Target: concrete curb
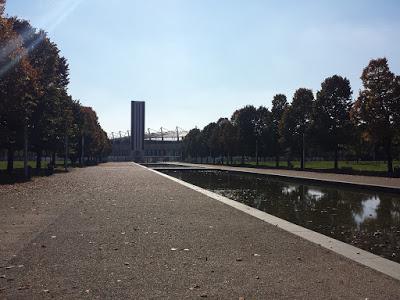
360 256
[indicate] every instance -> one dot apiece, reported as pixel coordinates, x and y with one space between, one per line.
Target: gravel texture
120 231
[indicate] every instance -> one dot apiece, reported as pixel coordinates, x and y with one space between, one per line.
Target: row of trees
326 124
36 112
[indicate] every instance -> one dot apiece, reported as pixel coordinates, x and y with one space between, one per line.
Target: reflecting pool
363 218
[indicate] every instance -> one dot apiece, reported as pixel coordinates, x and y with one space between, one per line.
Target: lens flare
50 23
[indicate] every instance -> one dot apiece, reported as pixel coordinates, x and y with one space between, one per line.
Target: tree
279 105
18 92
287 133
52 115
331 115
75 134
2 7
300 117
377 108
93 136
263 131
244 120
208 140
192 144
34 103
227 138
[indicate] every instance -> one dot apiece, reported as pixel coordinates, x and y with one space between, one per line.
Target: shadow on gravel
18 176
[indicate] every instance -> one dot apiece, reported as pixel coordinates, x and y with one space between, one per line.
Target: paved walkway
372 181
121 231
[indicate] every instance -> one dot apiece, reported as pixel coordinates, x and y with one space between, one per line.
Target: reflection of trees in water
302 203
369 221
384 212
396 211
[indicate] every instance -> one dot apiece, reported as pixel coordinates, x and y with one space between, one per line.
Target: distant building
139 146
137 130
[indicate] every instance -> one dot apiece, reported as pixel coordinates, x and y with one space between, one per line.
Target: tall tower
137 130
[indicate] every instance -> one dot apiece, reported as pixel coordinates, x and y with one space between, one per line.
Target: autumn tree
2 7
92 134
331 115
51 118
34 102
377 108
18 92
75 133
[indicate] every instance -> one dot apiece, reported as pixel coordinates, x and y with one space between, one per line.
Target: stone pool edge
358 255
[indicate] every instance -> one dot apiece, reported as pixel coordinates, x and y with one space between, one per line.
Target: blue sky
194 61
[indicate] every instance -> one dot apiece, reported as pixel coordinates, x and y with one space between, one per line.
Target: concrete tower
137 130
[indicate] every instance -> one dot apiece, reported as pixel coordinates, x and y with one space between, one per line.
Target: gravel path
120 231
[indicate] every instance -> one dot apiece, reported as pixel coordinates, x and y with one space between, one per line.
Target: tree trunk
66 153
53 159
257 152
277 161
303 153
289 160
336 158
38 160
389 156
82 150
26 171
10 160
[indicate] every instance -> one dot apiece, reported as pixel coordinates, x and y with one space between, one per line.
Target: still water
363 218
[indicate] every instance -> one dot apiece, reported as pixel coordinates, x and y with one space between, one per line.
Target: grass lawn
377 166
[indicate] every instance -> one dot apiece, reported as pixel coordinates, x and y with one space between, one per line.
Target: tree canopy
35 106
378 106
331 124
331 114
